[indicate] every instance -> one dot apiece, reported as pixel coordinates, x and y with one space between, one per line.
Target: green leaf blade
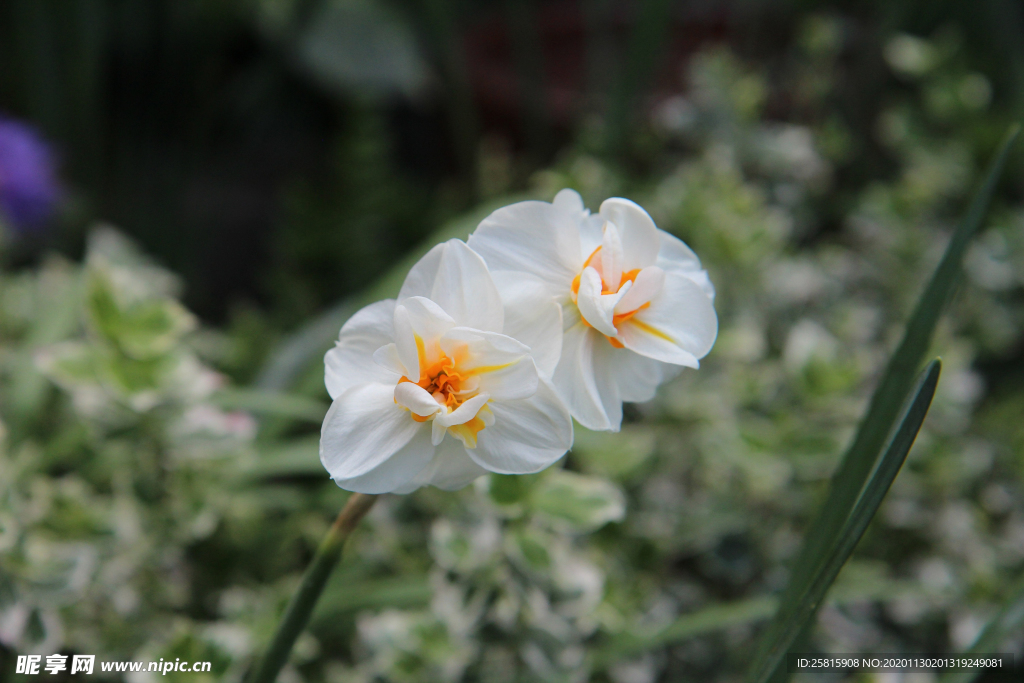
862 455
1005 624
898 376
271 403
794 614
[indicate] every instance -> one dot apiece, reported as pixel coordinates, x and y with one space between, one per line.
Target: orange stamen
444 383
467 431
441 381
623 317
629 275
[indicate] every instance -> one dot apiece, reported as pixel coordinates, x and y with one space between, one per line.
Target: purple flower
29 189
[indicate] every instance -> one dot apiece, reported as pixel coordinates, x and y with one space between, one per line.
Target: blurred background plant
160 491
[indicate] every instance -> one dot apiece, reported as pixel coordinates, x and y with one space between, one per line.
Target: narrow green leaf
399 591
1005 624
718 617
707 620
795 613
894 385
271 403
295 458
898 375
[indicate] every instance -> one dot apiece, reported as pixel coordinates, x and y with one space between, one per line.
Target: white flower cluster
548 313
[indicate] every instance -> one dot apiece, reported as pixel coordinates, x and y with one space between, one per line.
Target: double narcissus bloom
477 366
447 383
636 304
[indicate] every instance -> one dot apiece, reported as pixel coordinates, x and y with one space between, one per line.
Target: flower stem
301 606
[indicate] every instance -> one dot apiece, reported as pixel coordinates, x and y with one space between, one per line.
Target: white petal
611 257
419 324
416 399
348 364
646 286
636 377
703 281
675 255
591 236
486 416
420 279
527 436
574 377
450 469
596 308
673 252
532 317
387 357
437 432
503 365
428 319
679 327
570 316
363 428
531 237
464 413
464 289
604 379
640 241
406 344
569 201
657 344
397 471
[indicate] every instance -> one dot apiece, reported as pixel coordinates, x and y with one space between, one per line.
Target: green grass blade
703 621
894 385
309 344
340 599
271 403
795 614
897 377
722 616
1005 624
293 458
296 351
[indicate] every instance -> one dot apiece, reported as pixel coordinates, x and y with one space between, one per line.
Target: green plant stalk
302 603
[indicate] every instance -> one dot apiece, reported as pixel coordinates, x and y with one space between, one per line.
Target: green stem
301 606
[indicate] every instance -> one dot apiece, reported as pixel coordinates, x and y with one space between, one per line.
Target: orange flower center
627 275
449 388
443 382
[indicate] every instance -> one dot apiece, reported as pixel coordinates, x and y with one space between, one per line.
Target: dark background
282 153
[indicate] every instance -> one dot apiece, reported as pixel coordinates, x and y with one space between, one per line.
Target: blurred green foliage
160 491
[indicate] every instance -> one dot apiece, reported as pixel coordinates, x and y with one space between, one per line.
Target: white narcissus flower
636 304
447 383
